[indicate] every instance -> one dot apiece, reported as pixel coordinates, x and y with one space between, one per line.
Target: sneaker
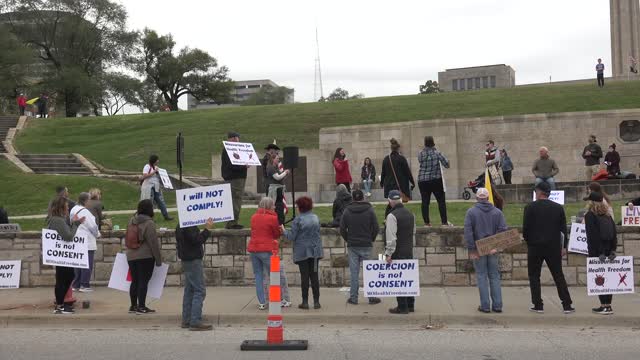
353 302
497 311
375 300
396 310
144 310
537 309
201 327
168 218
605 311
262 306
285 303
85 289
568 309
304 306
133 309
448 224
317 305
598 309
66 309
75 288
486 311
369 194
57 310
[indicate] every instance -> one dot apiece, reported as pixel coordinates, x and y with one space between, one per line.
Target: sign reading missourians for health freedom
400 278
578 239
10 274
197 205
58 252
631 216
610 277
241 153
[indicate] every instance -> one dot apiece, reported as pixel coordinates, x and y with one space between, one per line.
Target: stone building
625 35
477 77
242 91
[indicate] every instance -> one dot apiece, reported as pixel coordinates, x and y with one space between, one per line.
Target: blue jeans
367 186
83 276
194 292
488 278
260 262
551 181
159 200
356 256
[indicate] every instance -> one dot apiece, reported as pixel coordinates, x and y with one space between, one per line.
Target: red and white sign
610 277
121 277
631 216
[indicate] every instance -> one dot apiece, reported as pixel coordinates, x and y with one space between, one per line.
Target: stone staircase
66 164
6 123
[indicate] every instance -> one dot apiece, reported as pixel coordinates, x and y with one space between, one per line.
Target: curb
226 320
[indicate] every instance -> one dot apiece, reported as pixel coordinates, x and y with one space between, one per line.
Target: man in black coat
236 175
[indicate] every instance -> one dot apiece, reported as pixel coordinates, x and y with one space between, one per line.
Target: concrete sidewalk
237 306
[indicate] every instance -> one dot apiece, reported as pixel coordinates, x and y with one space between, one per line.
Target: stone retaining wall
443 259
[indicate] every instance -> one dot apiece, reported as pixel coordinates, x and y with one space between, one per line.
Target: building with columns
625 35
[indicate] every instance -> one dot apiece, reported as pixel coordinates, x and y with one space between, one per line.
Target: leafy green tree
119 90
269 96
430 87
191 71
150 97
341 94
16 64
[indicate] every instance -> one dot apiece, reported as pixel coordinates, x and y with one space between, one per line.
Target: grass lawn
125 142
29 194
456 212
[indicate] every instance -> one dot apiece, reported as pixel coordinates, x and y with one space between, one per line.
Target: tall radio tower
317 84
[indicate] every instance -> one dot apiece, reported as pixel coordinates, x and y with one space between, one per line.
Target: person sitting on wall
612 160
545 169
602 174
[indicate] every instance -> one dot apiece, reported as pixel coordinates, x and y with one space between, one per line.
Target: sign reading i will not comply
197 205
10 274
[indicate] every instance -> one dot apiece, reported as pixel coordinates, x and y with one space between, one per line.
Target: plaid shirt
430 160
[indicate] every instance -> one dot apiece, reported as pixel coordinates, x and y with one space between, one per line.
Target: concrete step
54 164
46 156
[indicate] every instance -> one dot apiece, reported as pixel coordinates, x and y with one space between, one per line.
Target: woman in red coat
341 164
265 232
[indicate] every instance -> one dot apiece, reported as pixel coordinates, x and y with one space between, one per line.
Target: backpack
131 239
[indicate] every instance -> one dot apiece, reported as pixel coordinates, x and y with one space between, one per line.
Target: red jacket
22 101
600 175
265 229
343 175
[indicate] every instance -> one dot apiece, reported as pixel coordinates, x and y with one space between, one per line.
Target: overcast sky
382 48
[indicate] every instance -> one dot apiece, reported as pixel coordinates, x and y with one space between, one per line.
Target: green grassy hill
125 142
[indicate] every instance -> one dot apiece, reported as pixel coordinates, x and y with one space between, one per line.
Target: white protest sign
610 277
166 180
10 274
58 252
557 196
242 153
400 278
578 239
197 205
631 216
121 277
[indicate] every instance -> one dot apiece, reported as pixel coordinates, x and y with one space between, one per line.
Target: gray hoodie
149 242
481 221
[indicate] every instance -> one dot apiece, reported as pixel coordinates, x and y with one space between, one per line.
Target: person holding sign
601 240
64 275
400 234
276 175
150 186
544 225
481 221
236 175
142 258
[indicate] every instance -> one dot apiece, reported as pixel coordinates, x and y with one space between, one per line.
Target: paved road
325 343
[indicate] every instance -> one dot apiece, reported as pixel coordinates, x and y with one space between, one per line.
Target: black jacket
405 232
359 225
230 171
190 242
368 174
402 170
339 204
596 245
596 154
542 224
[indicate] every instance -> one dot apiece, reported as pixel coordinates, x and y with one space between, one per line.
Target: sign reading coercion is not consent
242 153
578 239
197 205
610 277
58 252
10 274
400 278
500 241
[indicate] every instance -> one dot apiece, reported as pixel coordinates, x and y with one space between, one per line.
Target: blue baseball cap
395 195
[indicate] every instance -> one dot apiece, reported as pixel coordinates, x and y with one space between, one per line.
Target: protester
307 250
265 232
63 192
276 176
4 217
151 188
142 259
236 175
190 248
600 73
59 221
95 205
41 103
491 153
430 180
343 199
368 175
91 230
396 173
359 229
545 169
601 240
544 227
341 166
612 160
22 103
400 234
271 150
507 166
591 155
481 221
